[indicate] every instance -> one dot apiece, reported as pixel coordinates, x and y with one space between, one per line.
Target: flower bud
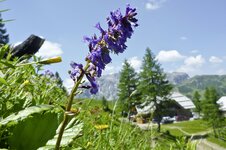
51 60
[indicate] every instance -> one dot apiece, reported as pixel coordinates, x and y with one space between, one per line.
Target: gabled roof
222 102
182 100
145 108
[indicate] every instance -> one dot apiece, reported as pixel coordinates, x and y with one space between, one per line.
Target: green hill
201 82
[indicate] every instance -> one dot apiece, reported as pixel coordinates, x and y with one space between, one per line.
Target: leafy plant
27 129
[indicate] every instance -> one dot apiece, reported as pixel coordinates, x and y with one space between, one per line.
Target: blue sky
185 35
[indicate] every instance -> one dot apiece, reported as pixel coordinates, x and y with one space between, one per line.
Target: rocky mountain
108 85
177 77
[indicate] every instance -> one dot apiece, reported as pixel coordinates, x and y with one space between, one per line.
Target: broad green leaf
72 131
3 81
20 116
31 128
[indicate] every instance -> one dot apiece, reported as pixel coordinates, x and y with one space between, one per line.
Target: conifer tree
211 110
127 84
4 38
153 85
197 102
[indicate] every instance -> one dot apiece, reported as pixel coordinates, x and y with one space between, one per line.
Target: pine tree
197 102
4 38
127 84
153 85
211 110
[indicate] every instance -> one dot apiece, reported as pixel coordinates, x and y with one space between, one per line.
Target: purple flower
49 73
94 86
113 39
77 69
120 28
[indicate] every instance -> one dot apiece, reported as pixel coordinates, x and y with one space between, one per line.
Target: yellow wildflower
89 144
26 82
101 127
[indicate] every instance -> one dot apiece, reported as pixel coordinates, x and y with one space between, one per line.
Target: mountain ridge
108 85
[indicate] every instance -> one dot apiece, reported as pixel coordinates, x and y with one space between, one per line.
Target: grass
217 141
117 134
190 127
174 132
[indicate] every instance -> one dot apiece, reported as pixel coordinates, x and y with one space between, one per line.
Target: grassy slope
190 127
199 83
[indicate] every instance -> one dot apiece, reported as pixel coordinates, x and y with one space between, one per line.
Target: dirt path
203 144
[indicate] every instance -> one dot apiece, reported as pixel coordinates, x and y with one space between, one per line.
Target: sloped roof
222 102
182 100
145 108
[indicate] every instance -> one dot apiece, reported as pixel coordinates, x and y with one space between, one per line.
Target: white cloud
154 4
49 49
183 38
192 64
214 59
68 83
135 62
169 56
194 61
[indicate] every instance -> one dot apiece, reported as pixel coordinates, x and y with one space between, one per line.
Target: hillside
200 82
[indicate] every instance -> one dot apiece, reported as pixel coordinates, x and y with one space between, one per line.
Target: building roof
222 102
182 100
145 108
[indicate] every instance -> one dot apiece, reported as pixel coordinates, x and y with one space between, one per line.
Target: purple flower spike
120 28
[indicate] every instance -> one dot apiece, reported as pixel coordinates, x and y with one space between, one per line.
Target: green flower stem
68 108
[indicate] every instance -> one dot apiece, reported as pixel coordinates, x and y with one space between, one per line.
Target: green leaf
72 131
7 64
30 128
3 81
20 116
3 50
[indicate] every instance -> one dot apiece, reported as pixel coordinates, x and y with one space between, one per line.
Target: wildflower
101 127
94 86
26 82
49 73
89 144
76 70
112 40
